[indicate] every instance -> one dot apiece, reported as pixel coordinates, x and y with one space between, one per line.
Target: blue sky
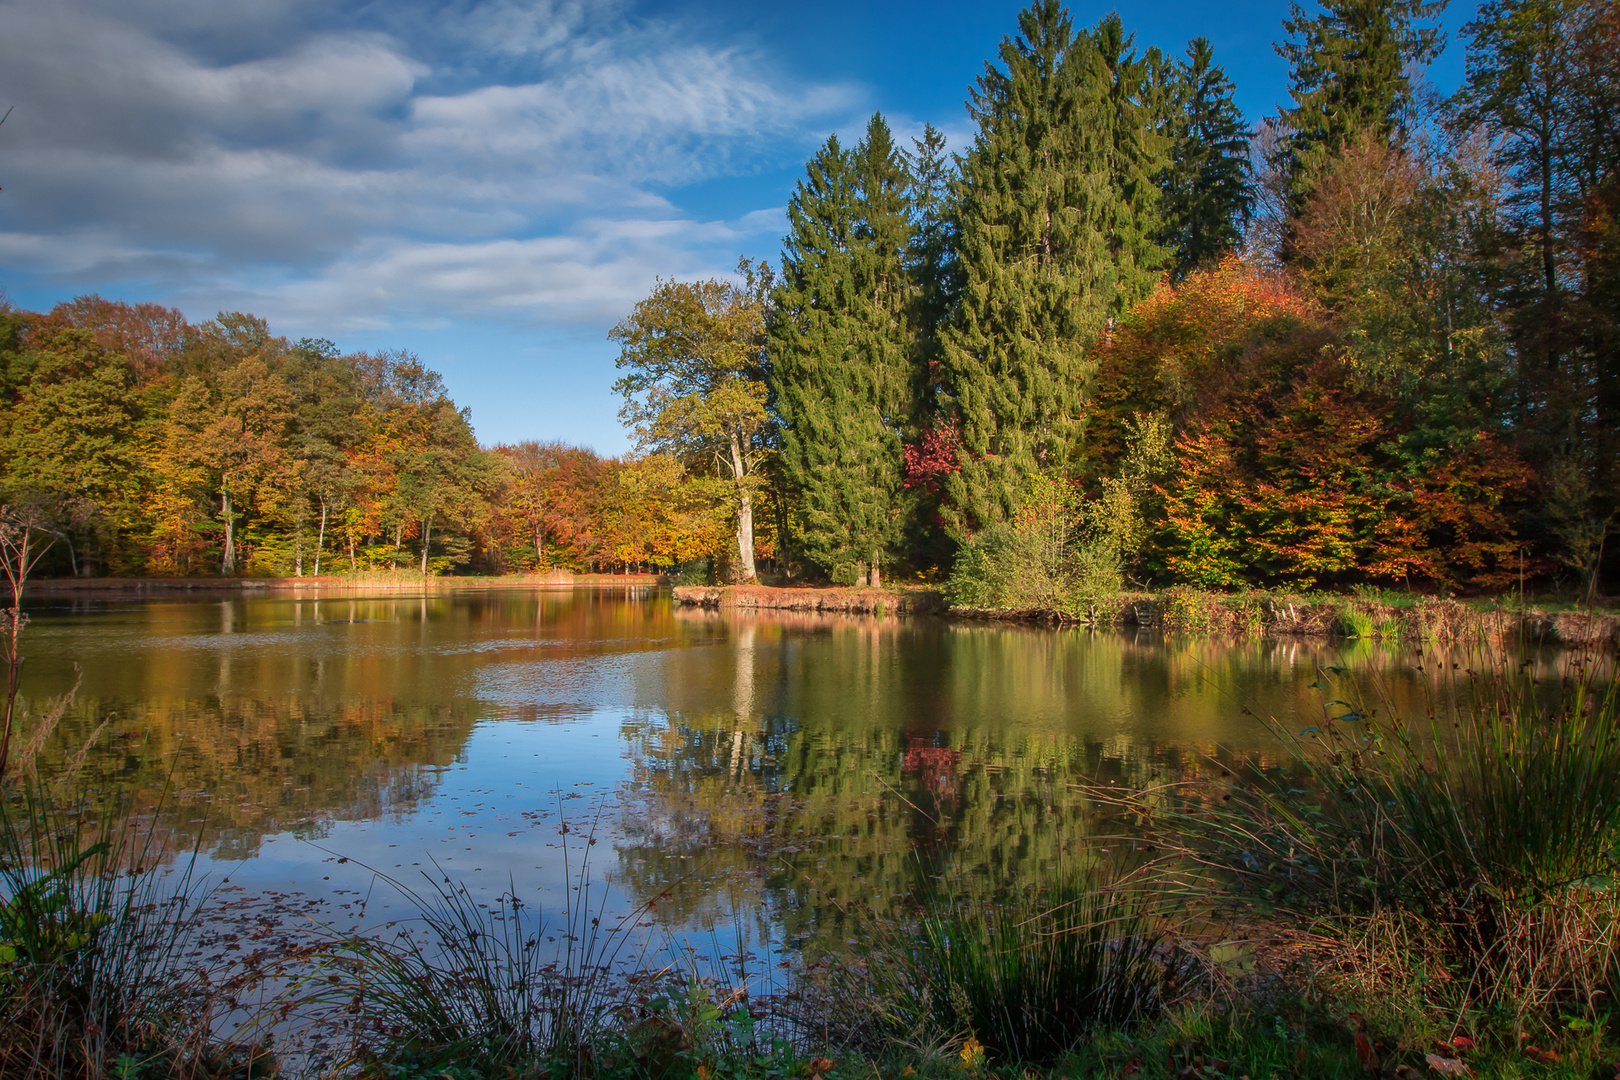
491 184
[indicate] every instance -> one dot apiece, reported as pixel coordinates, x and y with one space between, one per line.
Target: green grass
98 971
1026 976
1352 622
1472 853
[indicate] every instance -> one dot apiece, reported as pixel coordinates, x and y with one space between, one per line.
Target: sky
490 184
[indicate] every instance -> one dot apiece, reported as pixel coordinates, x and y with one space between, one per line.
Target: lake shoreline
382 582
1421 618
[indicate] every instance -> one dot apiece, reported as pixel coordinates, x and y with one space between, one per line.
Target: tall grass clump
1025 978
99 970
489 989
1475 849
1353 622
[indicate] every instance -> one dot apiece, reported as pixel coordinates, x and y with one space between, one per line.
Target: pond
775 770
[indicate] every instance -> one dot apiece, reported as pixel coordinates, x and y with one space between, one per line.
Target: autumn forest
1123 337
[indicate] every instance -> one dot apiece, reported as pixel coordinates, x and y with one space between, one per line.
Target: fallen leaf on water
1446 1066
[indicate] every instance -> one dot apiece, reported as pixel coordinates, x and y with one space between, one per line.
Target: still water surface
782 765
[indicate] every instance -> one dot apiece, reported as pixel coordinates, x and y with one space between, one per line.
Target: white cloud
297 158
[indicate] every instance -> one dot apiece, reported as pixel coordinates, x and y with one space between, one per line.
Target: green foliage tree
1542 83
842 354
931 260
695 383
69 439
1058 218
1348 73
327 430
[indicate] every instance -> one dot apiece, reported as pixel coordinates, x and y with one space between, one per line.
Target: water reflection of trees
826 765
246 718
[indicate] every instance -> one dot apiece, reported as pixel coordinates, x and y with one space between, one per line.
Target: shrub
1191 610
1044 559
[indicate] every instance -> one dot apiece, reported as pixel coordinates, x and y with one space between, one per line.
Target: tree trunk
745 515
427 539
16 574
539 548
229 566
399 538
320 539
877 576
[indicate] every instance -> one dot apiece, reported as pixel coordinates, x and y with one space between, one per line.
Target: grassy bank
1385 617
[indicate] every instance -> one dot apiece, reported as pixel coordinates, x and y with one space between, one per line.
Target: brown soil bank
1187 611
849 601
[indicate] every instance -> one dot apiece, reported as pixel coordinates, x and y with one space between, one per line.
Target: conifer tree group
922 294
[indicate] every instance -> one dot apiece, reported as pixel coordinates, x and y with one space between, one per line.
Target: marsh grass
1024 977
498 990
1471 855
100 972
1352 622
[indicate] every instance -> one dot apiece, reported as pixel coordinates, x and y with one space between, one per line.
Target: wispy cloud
340 166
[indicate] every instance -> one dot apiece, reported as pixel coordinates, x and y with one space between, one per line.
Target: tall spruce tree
843 348
1208 188
1348 74
932 264
1057 234
1138 153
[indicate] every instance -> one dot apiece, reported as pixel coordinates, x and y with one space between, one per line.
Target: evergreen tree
1348 73
1058 224
1137 156
843 349
932 263
1208 191
1542 83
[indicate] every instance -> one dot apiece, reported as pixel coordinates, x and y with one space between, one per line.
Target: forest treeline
148 445
1121 336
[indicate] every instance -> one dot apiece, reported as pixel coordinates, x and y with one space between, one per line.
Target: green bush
1045 558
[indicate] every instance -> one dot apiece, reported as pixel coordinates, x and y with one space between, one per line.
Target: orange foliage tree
1287 470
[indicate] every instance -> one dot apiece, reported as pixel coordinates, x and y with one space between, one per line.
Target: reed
489 989
99 973
1021 979
1476 849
